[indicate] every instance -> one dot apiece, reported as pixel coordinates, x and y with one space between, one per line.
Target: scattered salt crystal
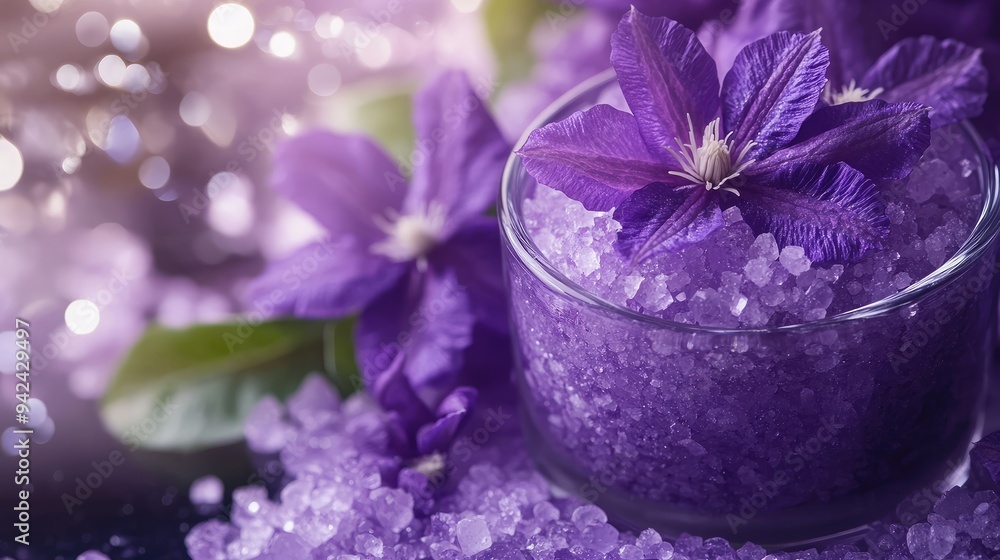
545 511
296 495
587 515
314 400
206 491
647 540
393 508
265 429
473 535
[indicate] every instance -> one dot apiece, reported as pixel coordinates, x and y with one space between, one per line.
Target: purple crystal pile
350 497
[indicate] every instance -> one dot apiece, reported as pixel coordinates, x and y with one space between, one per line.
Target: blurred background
135 138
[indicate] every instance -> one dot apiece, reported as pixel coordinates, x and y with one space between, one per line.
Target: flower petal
773 86
833 212
596 157
451 416
473 254
842 22
660 218
882 140
343 180
426 317
395 394
460 152
947 76
985 457
665 75
323 280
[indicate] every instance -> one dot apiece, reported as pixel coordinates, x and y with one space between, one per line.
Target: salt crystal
92 555
265 430
473 535
206 491
765 246
647 540
758 271
369 545
794 260
601 537
296 495
545 512
587 515
732 215
314 401
287 547
393 508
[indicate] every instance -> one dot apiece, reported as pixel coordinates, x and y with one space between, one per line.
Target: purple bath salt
206 491
495 505
734 388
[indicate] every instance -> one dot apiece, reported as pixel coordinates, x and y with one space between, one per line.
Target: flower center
850 93
411 236
430 466
710 162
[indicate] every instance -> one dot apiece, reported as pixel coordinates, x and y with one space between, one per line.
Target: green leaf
338 340
189 389
509 25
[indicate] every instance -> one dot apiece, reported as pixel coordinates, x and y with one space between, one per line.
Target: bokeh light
126 35
82 316
195 109
154 173
68 77
92 29
324 79
231 26
11 164
282 44
111 70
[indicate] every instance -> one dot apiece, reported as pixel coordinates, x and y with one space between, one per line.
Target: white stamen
710 163
430 466
850 93
410 236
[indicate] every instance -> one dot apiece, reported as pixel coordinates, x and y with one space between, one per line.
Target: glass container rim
517 238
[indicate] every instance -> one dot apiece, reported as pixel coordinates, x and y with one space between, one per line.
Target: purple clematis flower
422 264
945 75
686 152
